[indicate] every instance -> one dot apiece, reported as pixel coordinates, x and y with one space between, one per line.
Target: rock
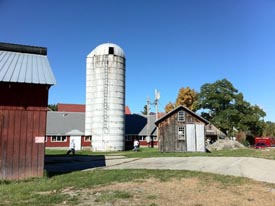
224 144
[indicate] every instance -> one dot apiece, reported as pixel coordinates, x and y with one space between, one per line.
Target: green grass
109 196
153 152
49 191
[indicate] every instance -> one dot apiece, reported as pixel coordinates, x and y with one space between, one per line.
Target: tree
144 110
269 129
222 105
186 97
52 107
169 107
216 97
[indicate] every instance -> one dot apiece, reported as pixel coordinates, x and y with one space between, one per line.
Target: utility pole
157 96
148 138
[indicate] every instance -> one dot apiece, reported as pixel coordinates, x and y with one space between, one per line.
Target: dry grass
185 191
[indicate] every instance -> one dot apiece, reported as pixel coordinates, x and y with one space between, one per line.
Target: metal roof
73 123
64 123
136 124
25 68
104 49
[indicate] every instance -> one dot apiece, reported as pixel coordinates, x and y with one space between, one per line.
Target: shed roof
176 110
24 64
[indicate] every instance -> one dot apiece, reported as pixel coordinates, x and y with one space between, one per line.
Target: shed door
77 141
200 138
191 137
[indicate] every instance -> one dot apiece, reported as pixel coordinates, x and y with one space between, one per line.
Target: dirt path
177 192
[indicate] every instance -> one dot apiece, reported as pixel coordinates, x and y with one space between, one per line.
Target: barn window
87 138
59 139
181 116
181 133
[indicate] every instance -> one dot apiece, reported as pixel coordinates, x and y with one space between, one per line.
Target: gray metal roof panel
137 124
152 126
25 68
61 123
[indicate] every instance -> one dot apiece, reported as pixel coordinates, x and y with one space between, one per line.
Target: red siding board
83 143
29 146
16 151
22 118
1 142
23 145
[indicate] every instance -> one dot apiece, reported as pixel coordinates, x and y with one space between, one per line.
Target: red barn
25 79
79 108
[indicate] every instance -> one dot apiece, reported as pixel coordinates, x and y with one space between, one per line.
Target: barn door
191 137
200 138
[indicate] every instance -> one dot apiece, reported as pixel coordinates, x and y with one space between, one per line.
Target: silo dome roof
107 48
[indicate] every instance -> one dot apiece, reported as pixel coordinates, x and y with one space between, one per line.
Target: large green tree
269 129
225 107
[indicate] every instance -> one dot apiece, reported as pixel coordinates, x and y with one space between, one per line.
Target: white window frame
181 116
60 137
181 133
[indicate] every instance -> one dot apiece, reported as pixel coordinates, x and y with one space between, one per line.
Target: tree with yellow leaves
186 97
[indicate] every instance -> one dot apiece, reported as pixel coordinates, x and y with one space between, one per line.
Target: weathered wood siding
23 110
168 132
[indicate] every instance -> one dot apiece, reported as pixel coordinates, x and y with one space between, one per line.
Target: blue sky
168 44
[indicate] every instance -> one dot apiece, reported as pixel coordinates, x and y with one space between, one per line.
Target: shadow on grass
60 164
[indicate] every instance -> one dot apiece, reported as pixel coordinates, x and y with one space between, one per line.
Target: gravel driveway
254 168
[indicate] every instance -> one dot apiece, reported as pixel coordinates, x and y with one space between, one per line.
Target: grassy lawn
105 187
268 153
52 191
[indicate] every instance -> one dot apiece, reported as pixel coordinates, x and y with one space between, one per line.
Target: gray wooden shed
181 130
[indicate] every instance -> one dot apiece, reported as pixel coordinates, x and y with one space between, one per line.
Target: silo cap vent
108 48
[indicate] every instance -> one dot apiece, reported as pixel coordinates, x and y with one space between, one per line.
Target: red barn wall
23 113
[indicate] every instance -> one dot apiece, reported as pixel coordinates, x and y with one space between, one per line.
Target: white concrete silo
105 97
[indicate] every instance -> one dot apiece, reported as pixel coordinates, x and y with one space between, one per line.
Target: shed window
111 50
181 133
181 116
59 139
